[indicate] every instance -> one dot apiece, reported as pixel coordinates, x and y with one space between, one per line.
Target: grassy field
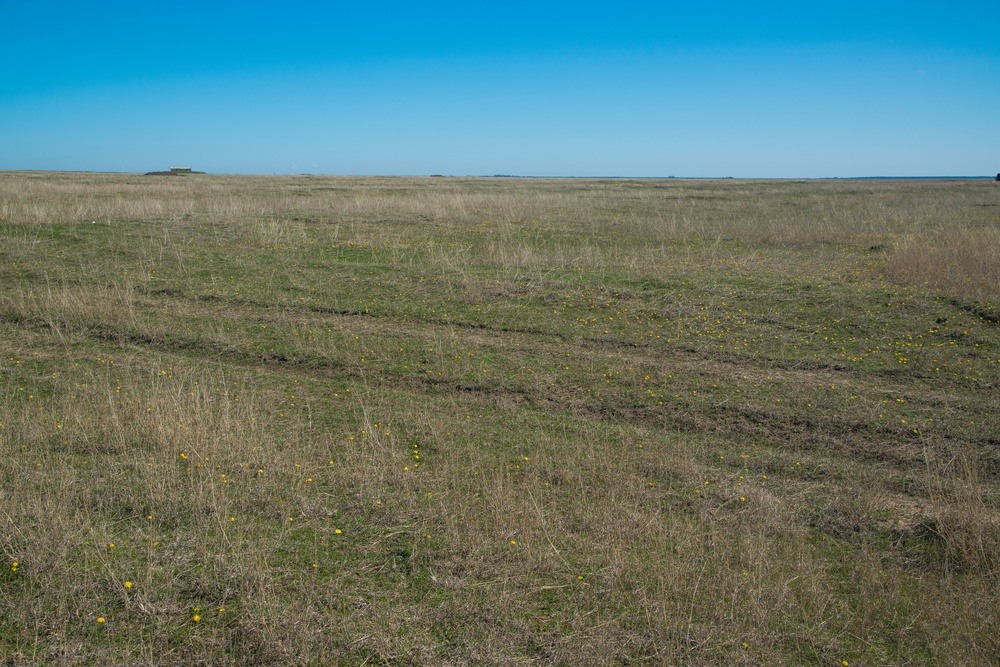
419 421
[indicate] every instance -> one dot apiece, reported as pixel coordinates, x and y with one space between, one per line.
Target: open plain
495 421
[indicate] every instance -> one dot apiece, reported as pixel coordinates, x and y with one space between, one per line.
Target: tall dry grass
961 262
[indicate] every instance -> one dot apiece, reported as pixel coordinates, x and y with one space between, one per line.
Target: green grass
498 421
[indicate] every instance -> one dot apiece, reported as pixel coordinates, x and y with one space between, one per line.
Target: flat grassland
362 421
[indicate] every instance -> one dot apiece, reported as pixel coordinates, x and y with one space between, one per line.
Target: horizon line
517 176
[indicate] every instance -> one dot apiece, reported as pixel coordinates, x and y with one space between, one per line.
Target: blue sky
777 89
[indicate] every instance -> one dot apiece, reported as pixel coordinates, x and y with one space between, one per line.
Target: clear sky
771 89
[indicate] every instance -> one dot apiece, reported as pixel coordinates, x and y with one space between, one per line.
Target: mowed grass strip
318 420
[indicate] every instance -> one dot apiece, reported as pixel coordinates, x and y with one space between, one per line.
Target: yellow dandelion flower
100 619
338 531
128 584
196 618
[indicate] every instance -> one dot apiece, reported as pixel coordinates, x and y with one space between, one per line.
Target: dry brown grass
961 262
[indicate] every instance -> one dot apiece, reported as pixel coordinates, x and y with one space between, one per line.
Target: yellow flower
128 584
183 456
196 618
338 531
100 619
